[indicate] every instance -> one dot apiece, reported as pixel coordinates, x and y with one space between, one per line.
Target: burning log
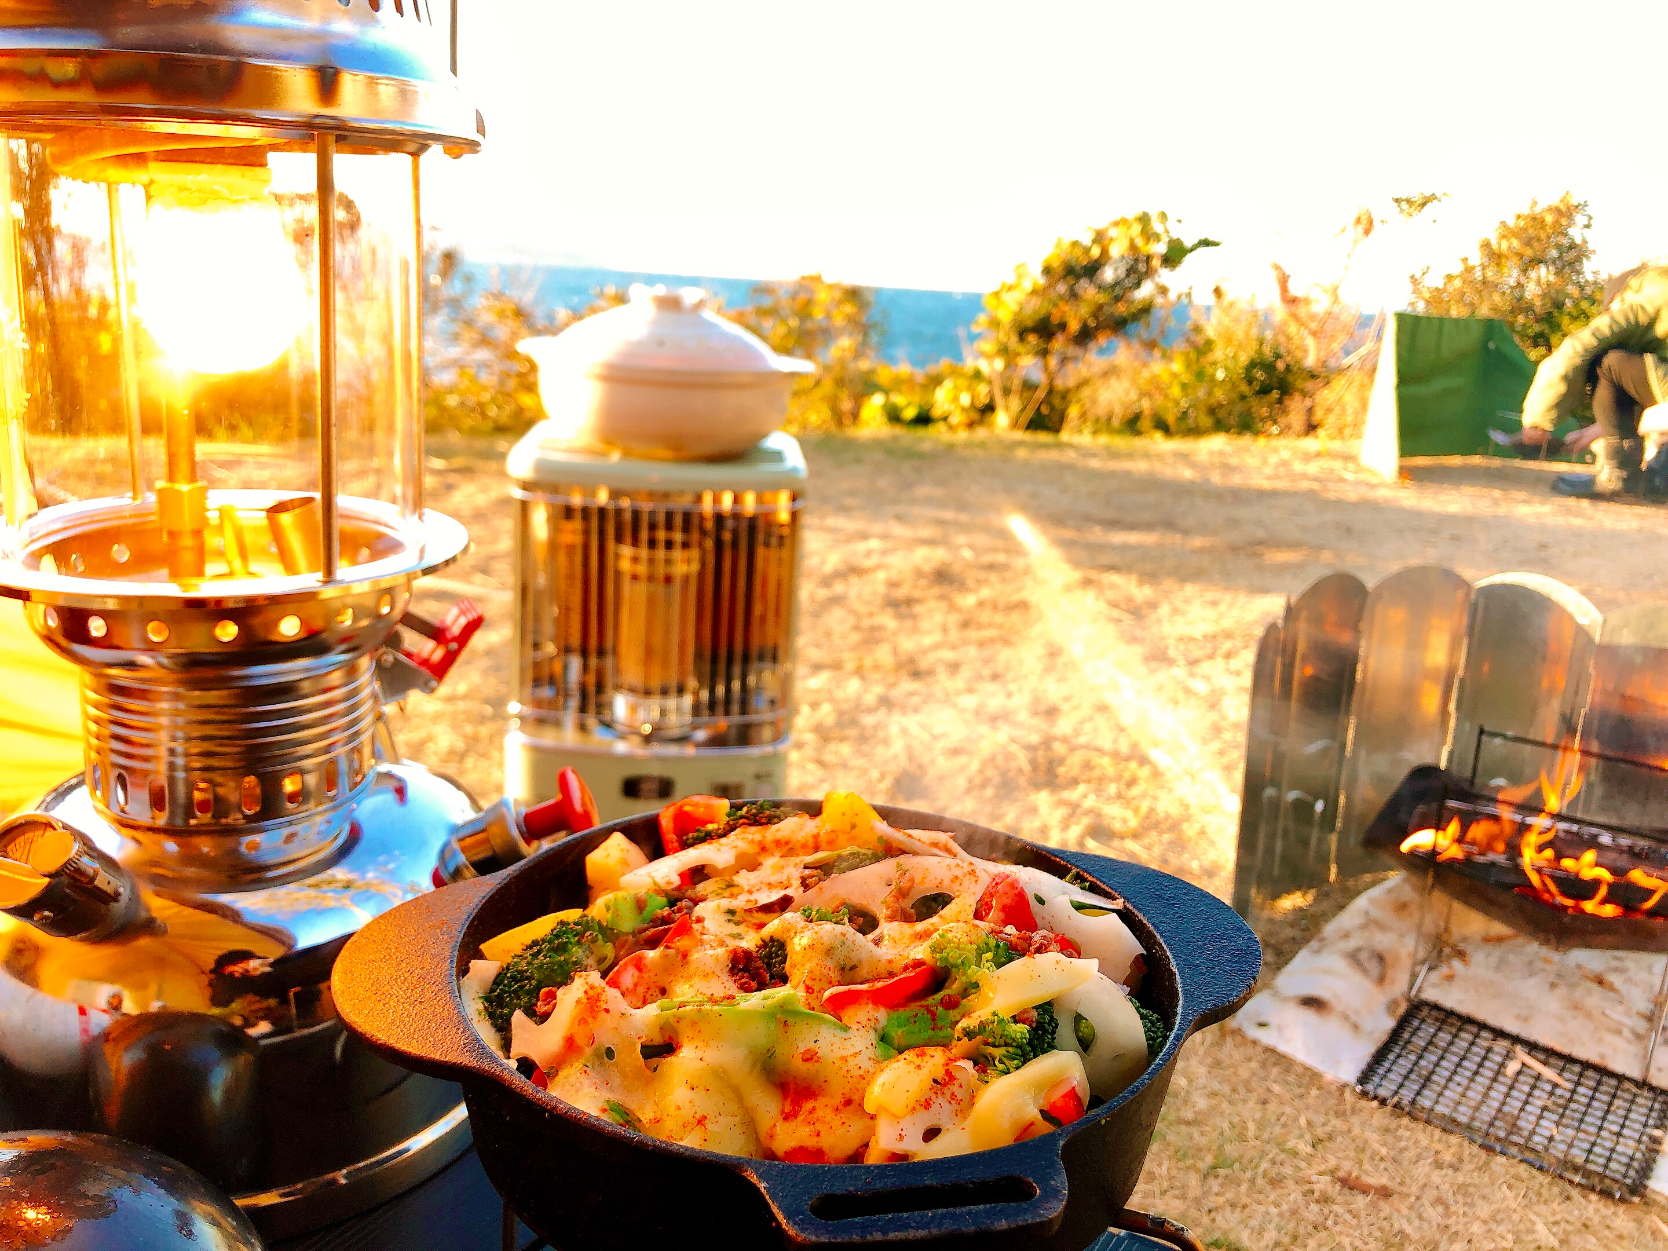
1521 839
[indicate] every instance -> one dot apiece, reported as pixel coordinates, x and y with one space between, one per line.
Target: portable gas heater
658 558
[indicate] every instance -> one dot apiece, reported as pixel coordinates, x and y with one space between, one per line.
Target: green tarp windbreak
1441 383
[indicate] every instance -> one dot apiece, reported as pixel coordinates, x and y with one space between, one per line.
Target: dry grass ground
1056 639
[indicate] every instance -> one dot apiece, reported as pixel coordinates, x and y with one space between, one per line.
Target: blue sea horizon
917 327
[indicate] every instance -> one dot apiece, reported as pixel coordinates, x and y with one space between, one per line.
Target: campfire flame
1534 834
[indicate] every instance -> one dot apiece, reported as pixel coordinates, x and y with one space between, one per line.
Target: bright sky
932 143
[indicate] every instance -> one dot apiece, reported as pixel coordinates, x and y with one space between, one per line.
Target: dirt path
1057 639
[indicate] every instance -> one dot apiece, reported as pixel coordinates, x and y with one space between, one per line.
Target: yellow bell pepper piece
847 814
512 941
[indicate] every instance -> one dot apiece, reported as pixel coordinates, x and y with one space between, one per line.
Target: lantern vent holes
289 626
156 631
97 627
291 786
158 794
225 630
202 799
332 779
250 800
120 553
121 791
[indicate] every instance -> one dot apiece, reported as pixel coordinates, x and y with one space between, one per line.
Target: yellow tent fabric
40 713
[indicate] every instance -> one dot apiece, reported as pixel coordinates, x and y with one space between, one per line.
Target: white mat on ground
1341 995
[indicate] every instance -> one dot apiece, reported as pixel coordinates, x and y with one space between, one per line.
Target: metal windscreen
658 616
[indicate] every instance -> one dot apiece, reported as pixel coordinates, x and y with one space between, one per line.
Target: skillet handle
1217 957
1015 1191
417 1022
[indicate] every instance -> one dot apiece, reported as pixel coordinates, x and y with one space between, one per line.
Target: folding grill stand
1618 1123
1425 957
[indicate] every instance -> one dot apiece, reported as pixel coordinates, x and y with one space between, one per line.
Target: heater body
655 622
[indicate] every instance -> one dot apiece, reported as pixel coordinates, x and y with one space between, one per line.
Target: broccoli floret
1153 1027
860 919
837 916
773 953
965 959
754 812
1006 1045
549 960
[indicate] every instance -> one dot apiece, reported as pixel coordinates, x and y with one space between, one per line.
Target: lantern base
331 1129
628 778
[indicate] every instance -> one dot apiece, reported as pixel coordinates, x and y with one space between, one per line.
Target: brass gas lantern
211 501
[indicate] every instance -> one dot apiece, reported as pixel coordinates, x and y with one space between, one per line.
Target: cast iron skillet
582 1182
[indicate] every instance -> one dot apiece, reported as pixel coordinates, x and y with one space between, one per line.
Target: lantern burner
229 719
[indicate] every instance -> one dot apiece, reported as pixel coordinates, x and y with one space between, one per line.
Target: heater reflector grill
658 616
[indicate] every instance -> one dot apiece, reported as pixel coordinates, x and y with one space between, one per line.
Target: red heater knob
571 811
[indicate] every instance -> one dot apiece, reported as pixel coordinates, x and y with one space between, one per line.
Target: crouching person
1623 355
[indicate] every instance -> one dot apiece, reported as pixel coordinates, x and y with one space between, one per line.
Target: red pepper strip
681 936
685 817
1004 903
891 992
539 1079
1065 1106
630 978
688 815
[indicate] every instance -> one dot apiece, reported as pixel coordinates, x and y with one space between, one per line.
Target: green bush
900 396
1233 371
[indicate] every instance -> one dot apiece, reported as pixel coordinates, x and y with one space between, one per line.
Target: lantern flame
219 289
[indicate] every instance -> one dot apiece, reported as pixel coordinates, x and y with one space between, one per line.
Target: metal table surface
455 1210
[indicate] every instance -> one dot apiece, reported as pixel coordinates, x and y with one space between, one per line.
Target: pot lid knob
682 300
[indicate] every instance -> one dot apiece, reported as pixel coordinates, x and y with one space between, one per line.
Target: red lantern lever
436 645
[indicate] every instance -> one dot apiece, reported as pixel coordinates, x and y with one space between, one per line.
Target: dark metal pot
582 1182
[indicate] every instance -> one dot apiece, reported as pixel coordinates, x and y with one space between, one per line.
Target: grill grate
1604 1131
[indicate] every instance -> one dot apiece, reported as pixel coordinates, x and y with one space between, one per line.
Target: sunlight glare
1127 683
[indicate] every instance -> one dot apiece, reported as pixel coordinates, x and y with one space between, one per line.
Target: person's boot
1619 463
1656 475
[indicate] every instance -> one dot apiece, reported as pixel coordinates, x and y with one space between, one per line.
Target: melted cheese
769 1074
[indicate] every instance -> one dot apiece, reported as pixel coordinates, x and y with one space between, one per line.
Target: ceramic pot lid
663 334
